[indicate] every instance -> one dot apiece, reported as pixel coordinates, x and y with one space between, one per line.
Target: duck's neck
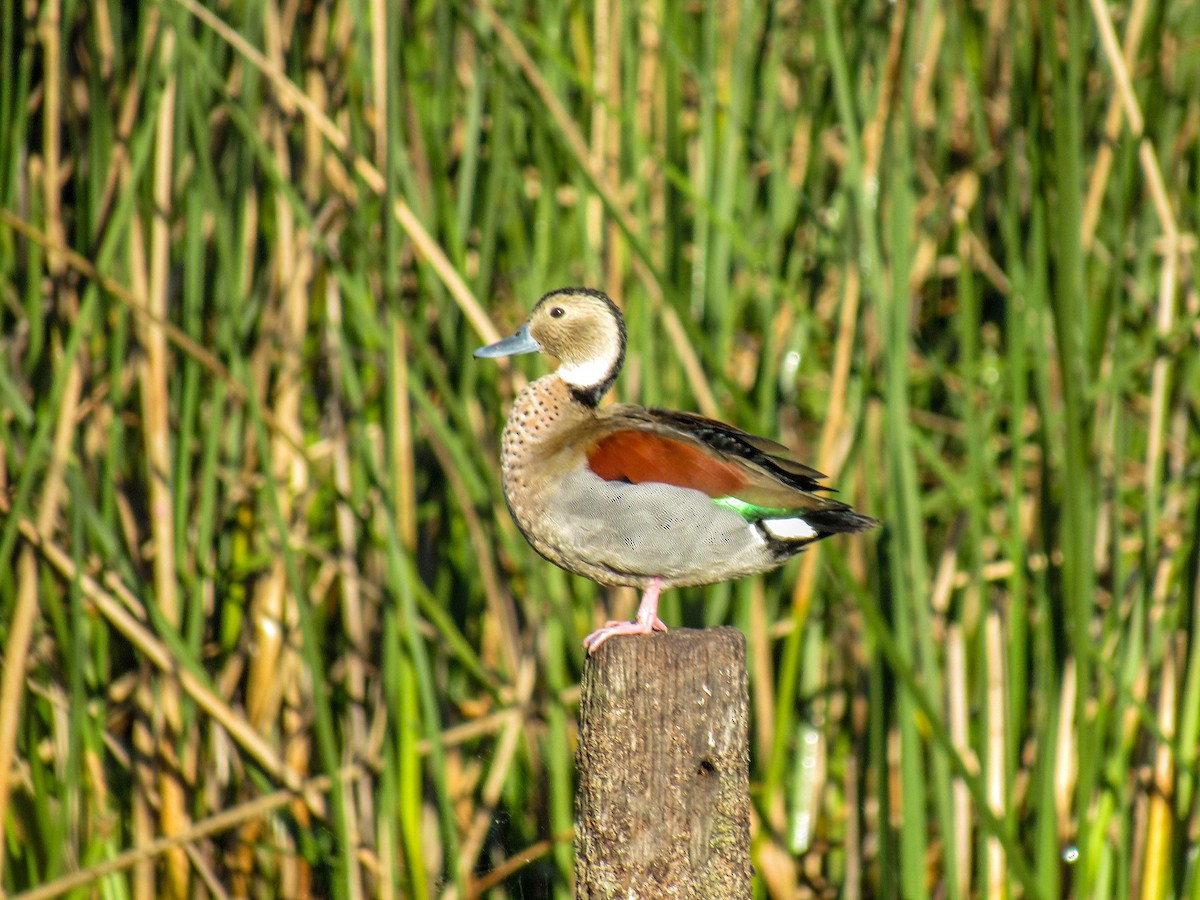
591 376
589 381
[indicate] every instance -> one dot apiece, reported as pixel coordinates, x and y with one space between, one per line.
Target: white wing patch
794 529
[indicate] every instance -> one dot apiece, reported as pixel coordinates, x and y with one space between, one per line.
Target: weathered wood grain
663 805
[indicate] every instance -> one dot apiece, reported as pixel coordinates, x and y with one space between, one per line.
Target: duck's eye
557 312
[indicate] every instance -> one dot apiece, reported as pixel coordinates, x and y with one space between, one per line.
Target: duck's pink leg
647 620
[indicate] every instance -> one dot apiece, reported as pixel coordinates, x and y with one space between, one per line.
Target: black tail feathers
839 521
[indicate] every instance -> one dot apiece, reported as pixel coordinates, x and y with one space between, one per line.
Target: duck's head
579 327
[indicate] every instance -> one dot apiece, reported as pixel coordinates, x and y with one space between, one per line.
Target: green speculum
749 511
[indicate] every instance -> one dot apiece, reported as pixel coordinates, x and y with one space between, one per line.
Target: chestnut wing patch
638 457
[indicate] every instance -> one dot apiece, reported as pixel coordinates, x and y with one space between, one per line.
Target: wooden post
663 805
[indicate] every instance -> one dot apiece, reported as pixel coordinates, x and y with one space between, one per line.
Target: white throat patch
586 374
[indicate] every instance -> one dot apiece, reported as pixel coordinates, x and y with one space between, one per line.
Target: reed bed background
266 626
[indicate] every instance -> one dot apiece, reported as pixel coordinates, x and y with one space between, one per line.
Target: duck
640 497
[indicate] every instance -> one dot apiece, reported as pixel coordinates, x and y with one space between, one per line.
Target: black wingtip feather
839 521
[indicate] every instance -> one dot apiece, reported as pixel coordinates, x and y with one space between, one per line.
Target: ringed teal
647 498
